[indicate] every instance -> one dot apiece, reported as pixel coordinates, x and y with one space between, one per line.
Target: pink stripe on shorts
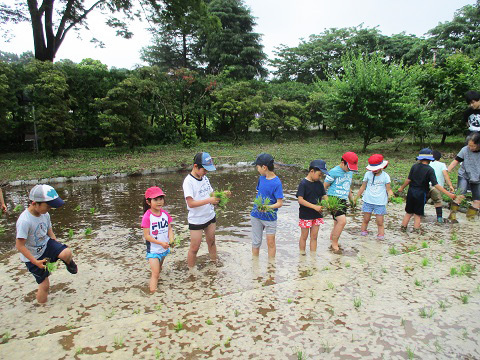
306 224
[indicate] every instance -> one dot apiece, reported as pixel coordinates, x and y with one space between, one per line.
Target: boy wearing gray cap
310 192
36 241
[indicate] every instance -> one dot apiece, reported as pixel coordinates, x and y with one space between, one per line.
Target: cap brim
209 167
324 171
425 158
56 203
352 167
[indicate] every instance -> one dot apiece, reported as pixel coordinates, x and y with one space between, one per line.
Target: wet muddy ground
408 296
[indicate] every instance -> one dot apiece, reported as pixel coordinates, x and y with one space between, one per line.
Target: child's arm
196 203
389 190
2 202
277 205
404 185
171 237
448 180
51 235
326 186
305 203
361 190
443 190
20 245
148 237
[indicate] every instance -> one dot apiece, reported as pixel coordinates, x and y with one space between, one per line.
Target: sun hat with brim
352 160
47 194
204 160
153 192
376 162
426 154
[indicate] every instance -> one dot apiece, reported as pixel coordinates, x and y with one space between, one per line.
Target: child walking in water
376 185
310 192
157 231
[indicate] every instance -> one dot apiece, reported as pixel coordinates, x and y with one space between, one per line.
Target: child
201 214
442 175
419 177
468 174
310 192
157 231
376 184
338 183
472 114
268 186
2 202
36 241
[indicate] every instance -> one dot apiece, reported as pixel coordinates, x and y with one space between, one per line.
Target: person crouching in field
421 174
36 241
310 192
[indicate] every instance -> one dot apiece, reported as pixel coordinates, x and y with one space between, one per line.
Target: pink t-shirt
158 226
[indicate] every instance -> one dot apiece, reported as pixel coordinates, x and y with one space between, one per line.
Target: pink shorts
306 224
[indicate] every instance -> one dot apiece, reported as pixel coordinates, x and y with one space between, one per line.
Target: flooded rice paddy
408 296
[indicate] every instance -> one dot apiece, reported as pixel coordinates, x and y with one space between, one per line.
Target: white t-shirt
158 226
198 190
439 166
376 191
34 229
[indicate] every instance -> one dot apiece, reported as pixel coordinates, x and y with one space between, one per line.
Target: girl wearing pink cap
376 184
157 231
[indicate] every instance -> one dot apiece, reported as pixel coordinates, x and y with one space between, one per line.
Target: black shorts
202 226
416 199
343 210
52 250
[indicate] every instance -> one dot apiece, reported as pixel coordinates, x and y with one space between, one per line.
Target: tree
280 115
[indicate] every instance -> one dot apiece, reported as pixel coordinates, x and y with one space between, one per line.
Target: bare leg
416 221
195 241
66 255
210 238
313 237
303 239
406 219
339 224
42 292
156 267
366 219
272 249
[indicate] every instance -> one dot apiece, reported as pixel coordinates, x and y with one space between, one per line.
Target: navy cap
320 165
264 159
425 154
204 160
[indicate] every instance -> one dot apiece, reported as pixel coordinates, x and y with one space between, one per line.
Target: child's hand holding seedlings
40 263
213 200
165 245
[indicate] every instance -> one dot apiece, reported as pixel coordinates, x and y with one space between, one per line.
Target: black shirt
421 175
311 191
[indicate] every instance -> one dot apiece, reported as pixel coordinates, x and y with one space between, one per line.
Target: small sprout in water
438 347
330 285
118 341
472 252
2 229
384 270
5 337
70 233
410 353
456 256
92 210
18 208
288 301
326 346
361 259
227 342
158 353
454 237
178 326
441 241
357 302
393 251
137 311
110 314
424 313
78 351
440 258
347 264
158 307
424 245
372 293
412 248
425 262
453 271
77 208
403 322
88 231
418 282
237 313
464 298
209 322
326 268
442 304
301 355
149 335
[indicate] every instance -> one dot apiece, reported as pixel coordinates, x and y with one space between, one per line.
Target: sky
279 22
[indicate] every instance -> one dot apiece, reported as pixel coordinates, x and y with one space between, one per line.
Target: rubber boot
453 212
471 213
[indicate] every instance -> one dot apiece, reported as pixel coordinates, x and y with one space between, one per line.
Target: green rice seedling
396 200
88 231
408 268
441 241
403 322
92 210
149 335
440 258
361 259
425 262
158 353
137 311
158 307
51 266
436 281
289 301
330 285
454 237
384 270
178 326
465 269
326 268
392 250
70 233
18 208
301 355
410 353
472 252
263 205
347 264
418 282
78 351
332 204
227 342
236 313
372 293
438 346
424 245
118 341
357 302
456 256
412 248
77 208
353 204
110 314
464 298
223 196
209 322
326 346
6 336
2 229
453 271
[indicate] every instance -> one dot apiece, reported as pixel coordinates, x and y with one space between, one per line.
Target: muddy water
367 303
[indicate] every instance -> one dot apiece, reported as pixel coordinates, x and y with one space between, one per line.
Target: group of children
37 243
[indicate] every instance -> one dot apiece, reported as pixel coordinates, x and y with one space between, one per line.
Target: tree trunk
444 137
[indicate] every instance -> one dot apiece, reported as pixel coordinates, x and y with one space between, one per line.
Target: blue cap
425 154
320 165
264 159
204 160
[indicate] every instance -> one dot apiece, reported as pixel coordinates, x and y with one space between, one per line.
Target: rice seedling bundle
263 204
51 266
396 200
222 196
332 204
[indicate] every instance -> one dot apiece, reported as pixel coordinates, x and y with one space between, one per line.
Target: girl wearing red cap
157 231
376 185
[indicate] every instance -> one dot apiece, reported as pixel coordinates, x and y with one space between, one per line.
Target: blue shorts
158 256
376 209
52 250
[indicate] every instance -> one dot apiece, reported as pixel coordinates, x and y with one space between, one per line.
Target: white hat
47 194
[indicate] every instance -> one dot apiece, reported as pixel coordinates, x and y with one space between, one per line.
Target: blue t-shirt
340 182
376 191
271 189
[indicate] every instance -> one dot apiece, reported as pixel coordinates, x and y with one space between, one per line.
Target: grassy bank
298 151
